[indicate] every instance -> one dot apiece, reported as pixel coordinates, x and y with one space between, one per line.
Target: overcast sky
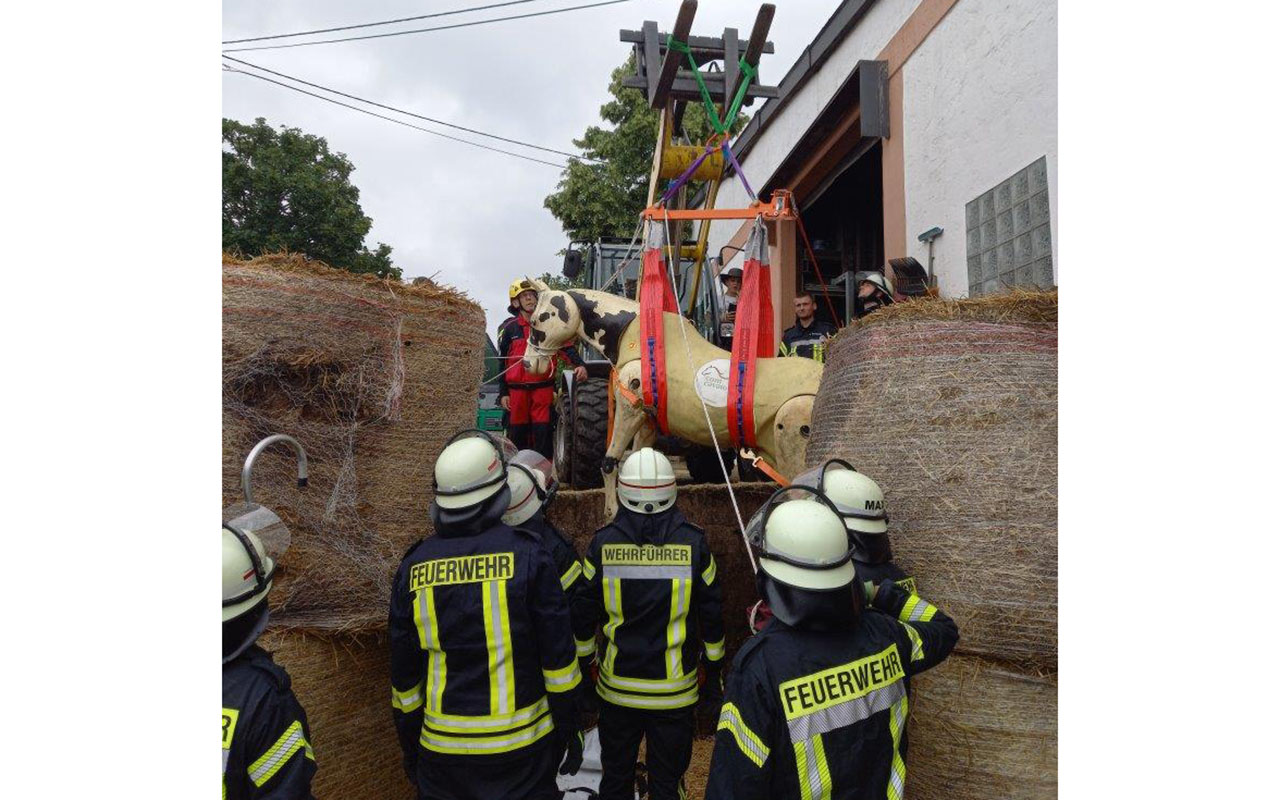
472 218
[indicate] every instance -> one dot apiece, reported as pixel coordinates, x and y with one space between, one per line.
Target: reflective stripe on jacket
807 342
266 744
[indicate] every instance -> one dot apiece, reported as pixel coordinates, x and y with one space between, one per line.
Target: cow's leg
792 434
628 419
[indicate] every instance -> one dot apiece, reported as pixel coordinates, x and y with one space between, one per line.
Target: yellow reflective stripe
665 701
916 609
677 631
480 745
586 647
570 575
408 700
562 680
917 646
898 768
715 650
750 744
812 770
613 605
709 574
424 615
588 569
651 685
290 742
497 630
824 771
457 723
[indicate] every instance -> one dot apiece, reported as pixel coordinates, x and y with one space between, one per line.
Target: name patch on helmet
874 505
821 690
632 555
462 569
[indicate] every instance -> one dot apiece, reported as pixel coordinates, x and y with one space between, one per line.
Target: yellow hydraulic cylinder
676 158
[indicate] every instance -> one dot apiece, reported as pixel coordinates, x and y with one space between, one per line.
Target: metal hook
246 475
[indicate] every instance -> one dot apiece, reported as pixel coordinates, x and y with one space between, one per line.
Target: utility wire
375 24
408 113
398 121
425 30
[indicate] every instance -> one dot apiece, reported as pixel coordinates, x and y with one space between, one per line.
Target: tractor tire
562 441
701 462
589 433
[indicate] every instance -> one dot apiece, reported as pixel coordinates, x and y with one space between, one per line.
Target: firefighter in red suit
525 397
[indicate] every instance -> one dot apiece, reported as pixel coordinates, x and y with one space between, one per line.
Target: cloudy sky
472 218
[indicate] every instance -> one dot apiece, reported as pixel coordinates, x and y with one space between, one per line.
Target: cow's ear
539 285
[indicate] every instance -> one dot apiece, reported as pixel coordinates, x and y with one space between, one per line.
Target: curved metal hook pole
246 475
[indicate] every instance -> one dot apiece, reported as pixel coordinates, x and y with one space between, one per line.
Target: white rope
711 428
626 259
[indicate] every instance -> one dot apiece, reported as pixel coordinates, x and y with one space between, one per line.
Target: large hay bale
979 731
952 407
343 683
372 376
580 513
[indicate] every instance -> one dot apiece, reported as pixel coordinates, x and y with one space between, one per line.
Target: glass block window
1007 233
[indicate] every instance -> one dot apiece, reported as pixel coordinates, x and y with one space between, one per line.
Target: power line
409 113
425 30
383 22
398 121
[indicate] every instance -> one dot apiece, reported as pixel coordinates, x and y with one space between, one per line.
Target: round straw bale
343 684
372 377
978 730
952 407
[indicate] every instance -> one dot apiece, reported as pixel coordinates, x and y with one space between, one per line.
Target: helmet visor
460 496
759 521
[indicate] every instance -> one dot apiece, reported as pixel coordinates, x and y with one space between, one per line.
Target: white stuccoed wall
866 40
980 102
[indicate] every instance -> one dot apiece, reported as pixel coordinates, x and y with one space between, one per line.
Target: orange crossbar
767 210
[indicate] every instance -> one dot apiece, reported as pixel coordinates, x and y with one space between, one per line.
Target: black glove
711 695
572 754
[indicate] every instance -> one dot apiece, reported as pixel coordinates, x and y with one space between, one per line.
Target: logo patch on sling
830 687
632 555
462 569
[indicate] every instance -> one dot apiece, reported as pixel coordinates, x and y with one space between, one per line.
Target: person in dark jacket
483 667
532 482
816 704
651 579
861 504
527 398
808 337
874 292
266 744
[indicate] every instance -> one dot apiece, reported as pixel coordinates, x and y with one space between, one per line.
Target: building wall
980 102
866 40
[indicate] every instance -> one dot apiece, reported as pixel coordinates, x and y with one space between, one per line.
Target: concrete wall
866 40
980 102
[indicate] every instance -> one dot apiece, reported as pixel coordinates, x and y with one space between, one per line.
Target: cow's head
553 324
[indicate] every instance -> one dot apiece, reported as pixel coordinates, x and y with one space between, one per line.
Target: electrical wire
426 30
376 24
398 121
409 113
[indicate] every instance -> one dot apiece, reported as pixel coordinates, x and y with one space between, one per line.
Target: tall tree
285 190
604 199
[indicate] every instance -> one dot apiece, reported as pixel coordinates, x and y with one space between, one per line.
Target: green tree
285 190
604 199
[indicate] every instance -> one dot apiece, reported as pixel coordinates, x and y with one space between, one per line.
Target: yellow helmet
517 286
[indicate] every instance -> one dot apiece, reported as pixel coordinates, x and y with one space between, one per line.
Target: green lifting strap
721 126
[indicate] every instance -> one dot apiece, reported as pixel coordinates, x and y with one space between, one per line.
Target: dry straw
372 376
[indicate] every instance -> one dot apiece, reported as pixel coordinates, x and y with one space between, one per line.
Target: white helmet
532 482
471 468
247 571
802 544
858 498
646 482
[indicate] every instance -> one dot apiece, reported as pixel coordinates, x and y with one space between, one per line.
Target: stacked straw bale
372 376
951 405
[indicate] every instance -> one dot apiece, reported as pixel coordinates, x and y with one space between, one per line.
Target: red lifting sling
752 336
656 297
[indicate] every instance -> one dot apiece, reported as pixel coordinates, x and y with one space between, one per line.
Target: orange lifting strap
752 336
656 297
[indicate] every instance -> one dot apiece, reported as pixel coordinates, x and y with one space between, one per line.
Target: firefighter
652 580
874 292
527 398
808 337
860 503
816 704
266 749
483 673
531 479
